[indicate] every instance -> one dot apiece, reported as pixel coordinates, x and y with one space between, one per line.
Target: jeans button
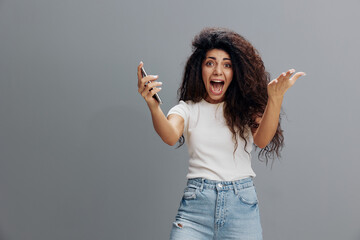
220 185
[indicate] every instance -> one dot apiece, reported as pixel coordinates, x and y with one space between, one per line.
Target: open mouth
216 86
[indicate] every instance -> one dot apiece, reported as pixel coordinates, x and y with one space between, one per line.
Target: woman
227 103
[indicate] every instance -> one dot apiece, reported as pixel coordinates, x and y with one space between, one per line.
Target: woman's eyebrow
223 58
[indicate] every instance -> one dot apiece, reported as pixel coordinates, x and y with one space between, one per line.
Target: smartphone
156 96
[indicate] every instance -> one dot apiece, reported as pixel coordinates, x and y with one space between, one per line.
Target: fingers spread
296 76
281 76
287 75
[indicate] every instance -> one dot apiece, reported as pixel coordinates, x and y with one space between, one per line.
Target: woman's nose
217 70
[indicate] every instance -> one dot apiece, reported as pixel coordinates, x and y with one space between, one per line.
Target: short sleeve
183 110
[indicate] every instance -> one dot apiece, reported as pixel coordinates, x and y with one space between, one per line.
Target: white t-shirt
211 145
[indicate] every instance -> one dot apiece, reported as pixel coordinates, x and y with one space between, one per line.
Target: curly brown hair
246 97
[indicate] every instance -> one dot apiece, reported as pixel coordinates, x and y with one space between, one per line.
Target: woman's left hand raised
277 87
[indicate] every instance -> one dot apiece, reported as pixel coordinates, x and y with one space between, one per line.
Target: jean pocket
190 192
248 196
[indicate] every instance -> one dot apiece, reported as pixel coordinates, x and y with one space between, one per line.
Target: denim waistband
203 183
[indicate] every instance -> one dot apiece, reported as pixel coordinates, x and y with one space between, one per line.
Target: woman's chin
215 98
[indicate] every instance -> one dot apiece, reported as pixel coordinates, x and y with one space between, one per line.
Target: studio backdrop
79 158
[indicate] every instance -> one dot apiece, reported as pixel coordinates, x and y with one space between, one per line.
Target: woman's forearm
269 122
163 126
270 119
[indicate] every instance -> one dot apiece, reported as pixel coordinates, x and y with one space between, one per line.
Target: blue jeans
218 210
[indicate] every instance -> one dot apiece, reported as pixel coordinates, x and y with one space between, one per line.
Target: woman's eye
227 65
209 64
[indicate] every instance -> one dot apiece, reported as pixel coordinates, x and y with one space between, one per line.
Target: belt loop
235 188
202 184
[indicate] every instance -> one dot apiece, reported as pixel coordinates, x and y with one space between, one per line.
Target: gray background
79 158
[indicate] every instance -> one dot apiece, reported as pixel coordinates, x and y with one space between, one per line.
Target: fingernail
155 76
160 83
159 88
140 62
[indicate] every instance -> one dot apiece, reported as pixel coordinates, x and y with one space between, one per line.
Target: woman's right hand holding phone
148 86
169 128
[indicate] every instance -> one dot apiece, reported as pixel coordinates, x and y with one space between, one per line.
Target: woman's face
217 74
